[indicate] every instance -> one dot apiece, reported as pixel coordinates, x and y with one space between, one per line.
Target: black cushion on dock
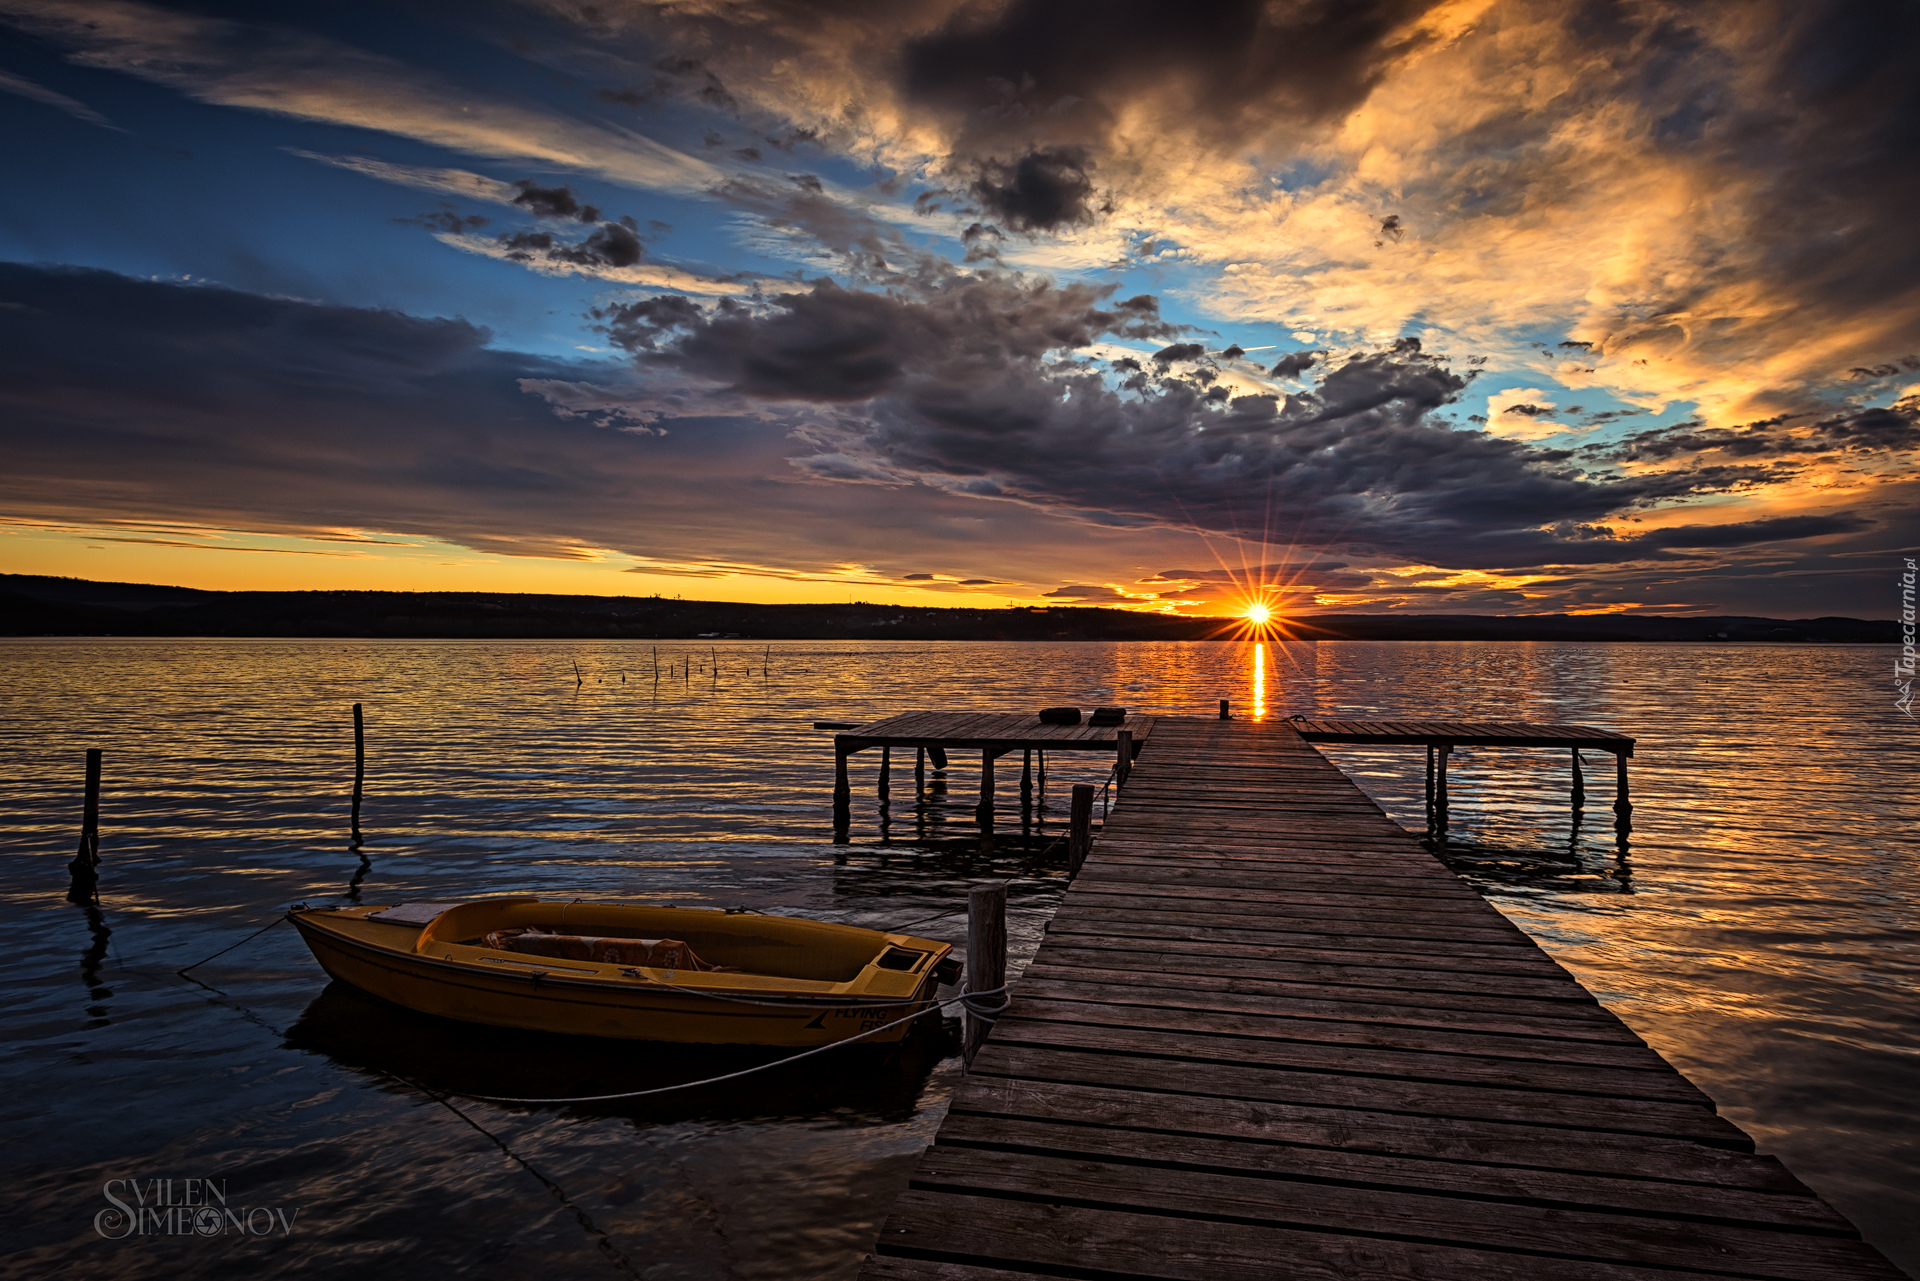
1107 716
1059 716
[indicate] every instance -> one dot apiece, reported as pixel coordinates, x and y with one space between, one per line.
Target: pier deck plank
1268 1034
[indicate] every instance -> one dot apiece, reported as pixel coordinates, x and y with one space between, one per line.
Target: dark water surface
1760 931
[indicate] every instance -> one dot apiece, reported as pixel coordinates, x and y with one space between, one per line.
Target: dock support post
919 770
1622 804
359 767
1043 778
88 856
842 790
1224 715
986 955
1579 782
985 810
1026 779
1443 751
1122 755
886 769
938 755
1079 827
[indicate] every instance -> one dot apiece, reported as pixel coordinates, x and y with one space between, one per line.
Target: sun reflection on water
1259 681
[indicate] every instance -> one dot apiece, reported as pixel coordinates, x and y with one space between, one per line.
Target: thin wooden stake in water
88 856
359 767
1579 783
578 679
1079 827
986 953
1224 715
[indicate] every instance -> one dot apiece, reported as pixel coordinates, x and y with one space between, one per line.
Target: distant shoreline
36 606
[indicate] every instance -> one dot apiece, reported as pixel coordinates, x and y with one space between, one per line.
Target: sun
1257 614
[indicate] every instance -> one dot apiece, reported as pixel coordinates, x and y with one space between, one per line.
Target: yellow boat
632 971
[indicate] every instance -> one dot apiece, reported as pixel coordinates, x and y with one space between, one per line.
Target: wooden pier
1268 1035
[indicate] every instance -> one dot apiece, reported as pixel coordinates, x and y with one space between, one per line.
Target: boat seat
666 954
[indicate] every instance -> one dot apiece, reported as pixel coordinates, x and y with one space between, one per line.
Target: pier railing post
1122 754
986 956
1079 827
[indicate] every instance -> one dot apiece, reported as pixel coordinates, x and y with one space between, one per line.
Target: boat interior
750 943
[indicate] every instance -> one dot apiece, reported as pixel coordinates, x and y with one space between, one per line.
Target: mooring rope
223 951
971 1001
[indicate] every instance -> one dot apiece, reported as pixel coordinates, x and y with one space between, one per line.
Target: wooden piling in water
1122 755
986 954
87 858
886 774
1224 715
359 767
1579 783
1622 805
1079 827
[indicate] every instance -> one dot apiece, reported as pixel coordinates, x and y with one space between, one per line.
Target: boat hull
580 999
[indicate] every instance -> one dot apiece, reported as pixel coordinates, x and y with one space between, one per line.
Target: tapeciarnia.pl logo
1904 663
181 1208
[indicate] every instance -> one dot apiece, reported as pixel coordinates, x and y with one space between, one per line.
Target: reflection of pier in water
1267 1033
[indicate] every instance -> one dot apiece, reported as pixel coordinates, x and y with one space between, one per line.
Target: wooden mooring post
984 810
1224 714
1079 827
88 857
986 955
1122 755
1579 783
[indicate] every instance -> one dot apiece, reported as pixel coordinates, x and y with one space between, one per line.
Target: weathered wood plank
1612 1238
1562 1189
1661 1162
1069 1240
1057 1027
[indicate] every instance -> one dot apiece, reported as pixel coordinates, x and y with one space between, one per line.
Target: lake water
1760 930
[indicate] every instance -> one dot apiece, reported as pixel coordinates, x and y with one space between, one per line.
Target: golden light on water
1259 699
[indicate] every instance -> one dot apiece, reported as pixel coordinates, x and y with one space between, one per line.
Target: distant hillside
38 606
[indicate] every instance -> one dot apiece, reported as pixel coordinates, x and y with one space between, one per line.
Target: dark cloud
837 345
446 220
954 386
1061 72
553 202
135 399
612 244
1747 533
1090 595
1295 363
1891 430
1041 191
1179 351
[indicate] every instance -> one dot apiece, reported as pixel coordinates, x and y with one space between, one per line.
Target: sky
1352 307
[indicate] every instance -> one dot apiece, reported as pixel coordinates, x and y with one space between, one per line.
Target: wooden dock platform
1268 1035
